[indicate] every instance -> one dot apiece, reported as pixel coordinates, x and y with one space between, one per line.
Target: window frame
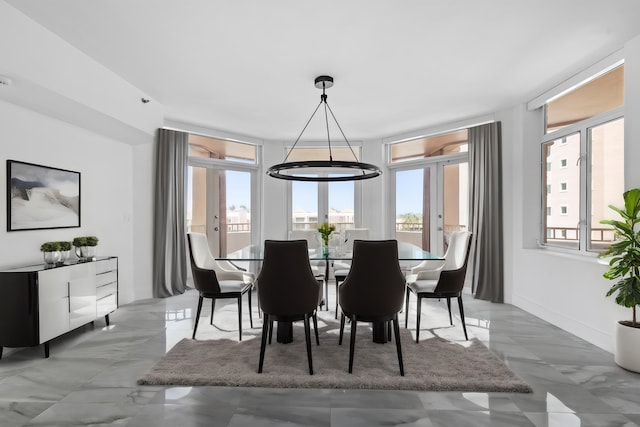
584 224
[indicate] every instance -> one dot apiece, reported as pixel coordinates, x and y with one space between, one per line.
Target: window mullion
585 159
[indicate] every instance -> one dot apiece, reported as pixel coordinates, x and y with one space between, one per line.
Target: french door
431 202
221 202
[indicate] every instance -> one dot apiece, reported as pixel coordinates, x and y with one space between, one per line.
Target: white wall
566 290
105 166
66 110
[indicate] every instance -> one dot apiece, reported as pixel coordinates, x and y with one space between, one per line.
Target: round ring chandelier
342 170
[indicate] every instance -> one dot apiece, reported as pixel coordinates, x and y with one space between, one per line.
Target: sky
305 194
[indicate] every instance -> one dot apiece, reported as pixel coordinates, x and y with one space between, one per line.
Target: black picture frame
42 197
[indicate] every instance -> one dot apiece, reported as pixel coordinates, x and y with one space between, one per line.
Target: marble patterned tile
369 417
90 379
277 416
580 420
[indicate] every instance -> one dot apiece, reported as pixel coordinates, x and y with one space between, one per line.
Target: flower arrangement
325 231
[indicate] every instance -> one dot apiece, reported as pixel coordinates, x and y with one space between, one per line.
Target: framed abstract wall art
41 197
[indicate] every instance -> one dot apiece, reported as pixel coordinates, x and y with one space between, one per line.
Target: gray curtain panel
485 171
169 247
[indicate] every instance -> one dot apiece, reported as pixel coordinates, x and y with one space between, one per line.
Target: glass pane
448 143
235 221
411 220
607 180
212 148
341 206
304 205
219 205
562 207
601 94
456 199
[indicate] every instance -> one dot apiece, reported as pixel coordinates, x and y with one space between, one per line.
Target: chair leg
337 296
388 331
396 331
250 310
195 327
464 326
326 294
315 327
307 336
341 328
406 309
263 342
449 307
352 344
270 322
240 317
419 308
213 308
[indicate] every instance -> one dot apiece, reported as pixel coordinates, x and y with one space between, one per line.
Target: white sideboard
40 303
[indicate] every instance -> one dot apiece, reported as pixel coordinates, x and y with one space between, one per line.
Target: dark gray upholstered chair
288 290
373 291
446 282
207 282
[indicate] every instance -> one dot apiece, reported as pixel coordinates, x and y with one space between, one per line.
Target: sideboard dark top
42 267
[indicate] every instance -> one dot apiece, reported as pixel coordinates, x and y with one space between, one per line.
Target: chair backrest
287 284
352 234
451 280
200 250
204 277
457 250
375 284
311 236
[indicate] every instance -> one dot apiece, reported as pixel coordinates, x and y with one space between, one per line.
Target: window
585 136
316 202
220 193
423 148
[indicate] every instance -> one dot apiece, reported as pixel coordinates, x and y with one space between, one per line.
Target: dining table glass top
406 252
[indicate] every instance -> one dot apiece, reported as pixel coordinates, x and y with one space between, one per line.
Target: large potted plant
624 263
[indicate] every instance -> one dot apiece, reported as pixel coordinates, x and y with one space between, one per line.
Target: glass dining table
407 252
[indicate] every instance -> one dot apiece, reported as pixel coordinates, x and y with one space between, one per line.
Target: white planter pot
627 347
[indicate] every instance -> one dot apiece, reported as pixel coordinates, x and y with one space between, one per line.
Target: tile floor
90 379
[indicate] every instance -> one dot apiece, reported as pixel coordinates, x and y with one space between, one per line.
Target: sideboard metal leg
46 350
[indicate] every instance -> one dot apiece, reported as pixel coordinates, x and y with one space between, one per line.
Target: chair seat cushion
341 273
233 286
420 286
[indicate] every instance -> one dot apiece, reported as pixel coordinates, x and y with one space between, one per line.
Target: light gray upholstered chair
215 284
317 266
341 268
447 281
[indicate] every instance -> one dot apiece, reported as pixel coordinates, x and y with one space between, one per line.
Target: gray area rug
435 364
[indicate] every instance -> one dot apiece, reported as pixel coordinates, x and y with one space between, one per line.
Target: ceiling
248 66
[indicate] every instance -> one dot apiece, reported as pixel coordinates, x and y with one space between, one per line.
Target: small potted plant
86 247
51 252
325 231
65 249
624 263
